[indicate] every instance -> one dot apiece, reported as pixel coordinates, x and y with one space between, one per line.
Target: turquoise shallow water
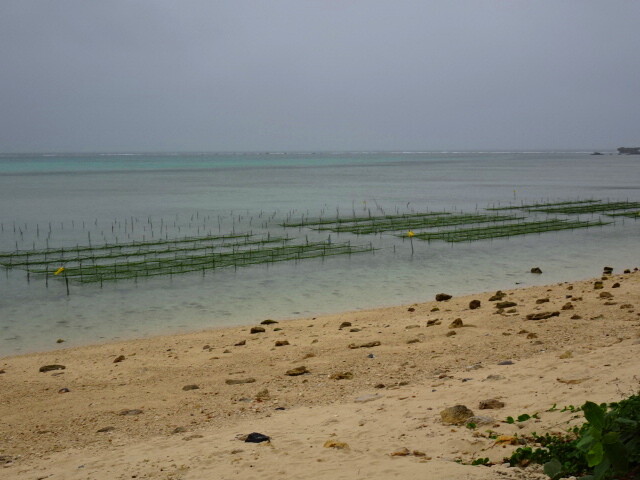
125 197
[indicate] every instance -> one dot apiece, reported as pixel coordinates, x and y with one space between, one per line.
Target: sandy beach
348 396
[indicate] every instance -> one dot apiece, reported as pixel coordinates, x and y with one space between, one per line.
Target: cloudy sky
291 75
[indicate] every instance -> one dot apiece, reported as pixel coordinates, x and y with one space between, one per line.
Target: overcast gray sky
247 75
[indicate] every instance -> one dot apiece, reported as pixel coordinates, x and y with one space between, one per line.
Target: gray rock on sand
456 415
481 420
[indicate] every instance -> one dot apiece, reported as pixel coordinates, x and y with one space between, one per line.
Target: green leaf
594 414
601 470
610 438
585 442
510 420
553 468
595 455
618 456
524 417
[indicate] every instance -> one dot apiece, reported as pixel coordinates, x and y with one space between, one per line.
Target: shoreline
190 392
525 281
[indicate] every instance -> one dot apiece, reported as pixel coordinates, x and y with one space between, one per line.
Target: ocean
67 201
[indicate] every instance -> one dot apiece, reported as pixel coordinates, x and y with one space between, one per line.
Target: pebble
268 321
239 381
341 376
106 429
335 444
130 412
456 415
186 388
240 343
49 368
370 397
505 362
365 345
490 404
402 452
473 304
256 437
542 315
282 343
344 325
294 372
64 390
442 297
499 295
481 420
119 359
457 323
257 330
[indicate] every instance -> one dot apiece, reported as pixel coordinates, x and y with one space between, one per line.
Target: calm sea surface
65 201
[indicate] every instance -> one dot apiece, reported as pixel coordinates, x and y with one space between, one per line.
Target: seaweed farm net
88 264
586 209
631 214
403 222
532 206
506 230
